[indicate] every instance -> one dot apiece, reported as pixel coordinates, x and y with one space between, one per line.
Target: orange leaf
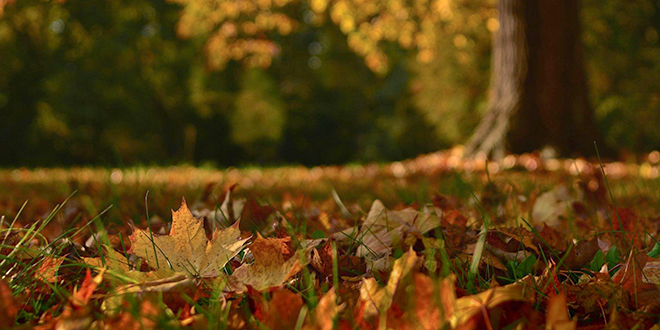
48 269
8 306
557 314
81 297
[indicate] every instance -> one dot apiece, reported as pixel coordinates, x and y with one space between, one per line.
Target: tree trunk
538 94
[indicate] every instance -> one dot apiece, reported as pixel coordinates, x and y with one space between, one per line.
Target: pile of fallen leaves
565 258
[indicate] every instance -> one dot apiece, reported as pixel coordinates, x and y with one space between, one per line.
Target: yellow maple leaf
117 264
186 248
270 269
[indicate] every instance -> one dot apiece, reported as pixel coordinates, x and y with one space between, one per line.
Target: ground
431 243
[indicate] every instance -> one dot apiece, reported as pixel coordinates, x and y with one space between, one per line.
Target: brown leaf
599 294
382 228
454 218
348 265
8 306
426 304
269 269
631 274
581 254
553 238
553 206
515 236
48 269
254 215
446 202
627 225
281 312
469 306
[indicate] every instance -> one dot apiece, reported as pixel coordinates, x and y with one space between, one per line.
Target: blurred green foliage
110 82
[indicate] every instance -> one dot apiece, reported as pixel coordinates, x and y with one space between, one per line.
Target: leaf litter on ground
561 257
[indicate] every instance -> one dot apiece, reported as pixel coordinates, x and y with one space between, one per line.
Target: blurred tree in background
124 82
538 86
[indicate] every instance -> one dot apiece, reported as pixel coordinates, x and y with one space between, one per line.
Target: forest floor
435 242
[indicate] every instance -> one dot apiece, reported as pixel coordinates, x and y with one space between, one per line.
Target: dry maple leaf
186 248
270 268
117 265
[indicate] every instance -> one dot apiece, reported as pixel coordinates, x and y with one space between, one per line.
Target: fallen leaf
383 229
651 272
426 304
8 306
631 275
553 238
186 248
348 265
48 269
176 286
580 254
117 264
598 294
553 206
81 296
557 314
323 317
373 298
454 218
270 268
281 312
469 306
255 216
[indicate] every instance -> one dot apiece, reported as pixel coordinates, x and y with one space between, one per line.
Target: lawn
429 243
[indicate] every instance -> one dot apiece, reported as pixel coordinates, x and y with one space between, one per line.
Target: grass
65 207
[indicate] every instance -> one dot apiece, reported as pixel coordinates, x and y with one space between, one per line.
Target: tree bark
538 94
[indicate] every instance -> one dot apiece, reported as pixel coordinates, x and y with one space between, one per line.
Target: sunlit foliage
243 30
